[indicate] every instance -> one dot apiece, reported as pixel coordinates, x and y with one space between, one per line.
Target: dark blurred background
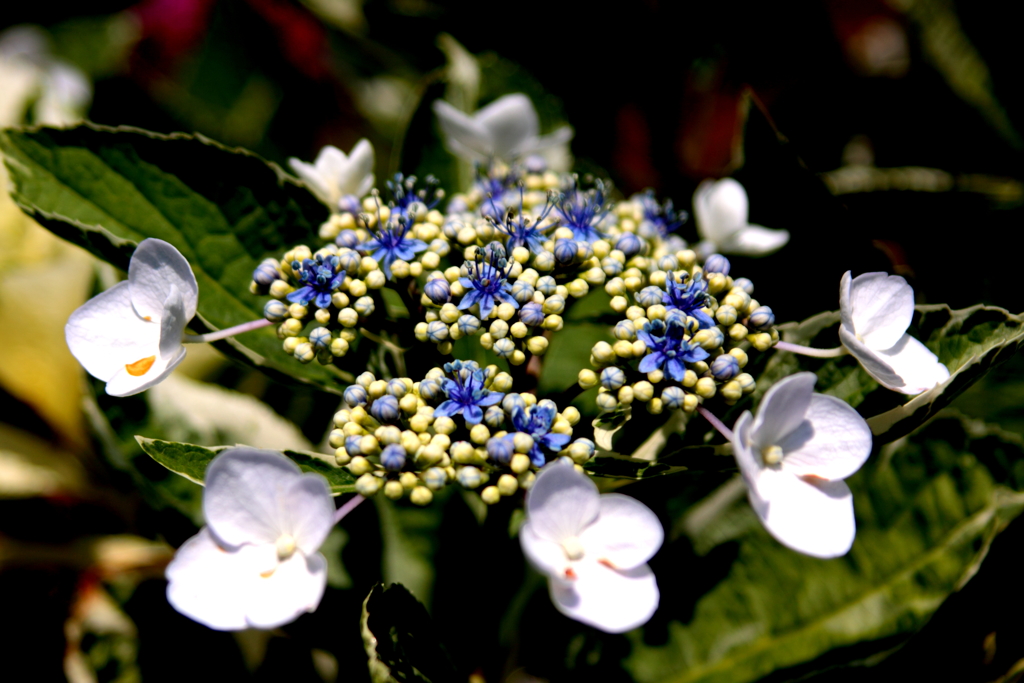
882 135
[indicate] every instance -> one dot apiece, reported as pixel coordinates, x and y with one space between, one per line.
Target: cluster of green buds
685 337
460 424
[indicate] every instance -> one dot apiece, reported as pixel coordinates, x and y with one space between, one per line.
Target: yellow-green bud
643 391
291 343
359 466
498 329
705 387
479 433
520 463
505 311
369 445
623 349
538 345
289 328
348 317
367 485
490 495
394 490
740 355
731 391
522 442
444 425
587 379
356 287
690 403
375 279
762 341
279 289
726 315
430 454
304 352
341 457
421 495
507 484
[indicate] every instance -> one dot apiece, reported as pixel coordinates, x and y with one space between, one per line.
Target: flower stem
348 507
715 422
808 351
224 334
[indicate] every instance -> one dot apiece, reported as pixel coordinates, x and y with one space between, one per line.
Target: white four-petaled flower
794 456
876 310
255 564
720 208
507 128
593 548
335 175
130 335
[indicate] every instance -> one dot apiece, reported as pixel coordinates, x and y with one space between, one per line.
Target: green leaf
106 189
190 461
969 342
401 640
927 509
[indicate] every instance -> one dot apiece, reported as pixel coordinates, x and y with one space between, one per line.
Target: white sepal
507 128
814 441
721 210
256 564
593 549
334 174
130 335
875 312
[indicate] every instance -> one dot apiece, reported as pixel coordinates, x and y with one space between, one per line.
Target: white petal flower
720 209
594 549
255 564
130 335
506 128
876 310
334 175
794 456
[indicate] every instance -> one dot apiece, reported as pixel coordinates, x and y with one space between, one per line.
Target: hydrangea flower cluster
459 424
685 338
503 264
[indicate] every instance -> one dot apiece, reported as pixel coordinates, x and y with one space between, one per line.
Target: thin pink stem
224 334
808 351
348 507
715 422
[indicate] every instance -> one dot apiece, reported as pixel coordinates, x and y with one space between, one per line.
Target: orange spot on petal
606 563
140 367
147 318
267 574
570 573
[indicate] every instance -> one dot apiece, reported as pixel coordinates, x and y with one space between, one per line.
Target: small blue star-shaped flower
391 244
522 229
582 212
689 297
487 283
318 279
466 392
663 218
669 348
536 421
